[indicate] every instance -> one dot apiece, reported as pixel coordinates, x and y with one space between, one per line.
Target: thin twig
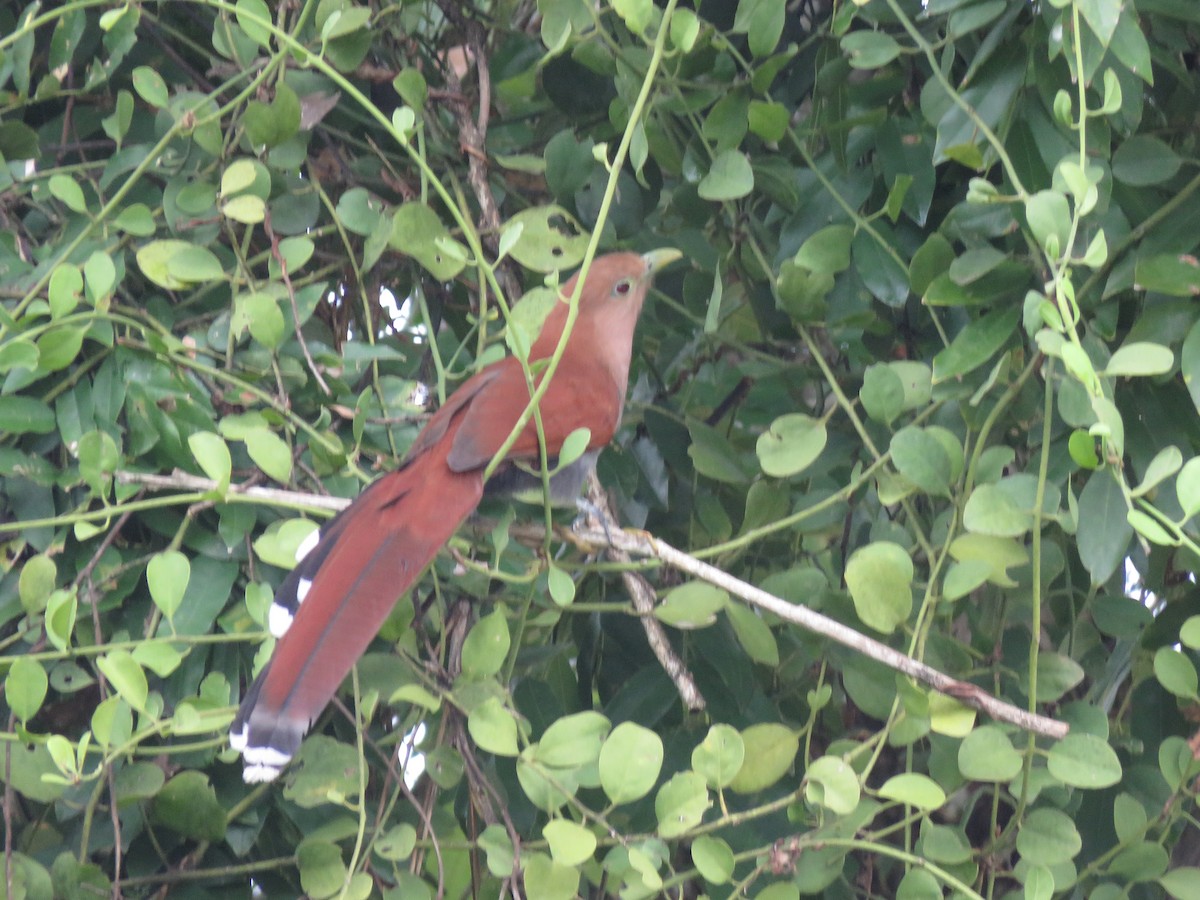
472 132
643 601
291 292
178 480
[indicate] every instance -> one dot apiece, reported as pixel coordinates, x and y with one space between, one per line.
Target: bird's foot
592 511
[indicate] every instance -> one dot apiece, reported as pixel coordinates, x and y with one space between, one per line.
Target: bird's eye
623 287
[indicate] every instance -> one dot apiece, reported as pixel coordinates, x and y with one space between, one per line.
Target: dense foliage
930 367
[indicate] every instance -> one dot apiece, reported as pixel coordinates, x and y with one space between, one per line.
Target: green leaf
60 348
1057 674
548 879
770 751
991 509
260 313
190 263
802 292
499 849
65 289
1049 217
269 125
1187 487
162 660
322 872
1175 274
150 86
768 120
713 455
719 757
1182 883
882 393
61 609
831 783
212 455
561 586
636 14
547 794
1143 160
729 178
246 209
154 259
486 646
1149 528
252 16
680 804
885 277
135 219
919 456
570 843
964 577
1176 673
36 583
416 695
975 344
790 445
713 858
932 259
879 577
870 49
1085 761
630 761
167 576
126 677
1140 358
415 232
753 634
550 240
493 727
238 176
1131 48
100 276
1166 462
987 754
270 453
1048 837
692 605
828 250
762 23
397 843
685 28
913 789
1104 530
1101 16
25 687
18 354
573 741
24 415
278 544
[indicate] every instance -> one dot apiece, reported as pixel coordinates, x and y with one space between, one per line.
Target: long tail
332 604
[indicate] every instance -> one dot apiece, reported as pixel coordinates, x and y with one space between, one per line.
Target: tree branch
645 545
641 544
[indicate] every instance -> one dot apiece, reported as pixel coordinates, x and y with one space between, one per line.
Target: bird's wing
578 397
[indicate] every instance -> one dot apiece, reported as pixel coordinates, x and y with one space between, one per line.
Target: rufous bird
329 608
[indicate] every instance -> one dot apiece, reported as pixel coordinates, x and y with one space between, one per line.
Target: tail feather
339 596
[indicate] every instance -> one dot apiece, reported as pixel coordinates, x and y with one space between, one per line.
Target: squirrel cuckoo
330 606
